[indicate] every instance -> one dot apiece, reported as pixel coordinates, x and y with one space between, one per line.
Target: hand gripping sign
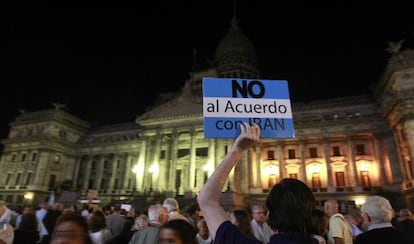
228 102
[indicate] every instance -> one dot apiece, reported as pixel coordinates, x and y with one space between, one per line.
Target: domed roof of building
235 43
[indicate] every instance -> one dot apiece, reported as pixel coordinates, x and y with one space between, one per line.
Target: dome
235 43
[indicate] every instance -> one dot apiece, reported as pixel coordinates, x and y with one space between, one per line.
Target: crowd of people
288 215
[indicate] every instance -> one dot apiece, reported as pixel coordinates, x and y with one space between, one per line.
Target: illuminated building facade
345 148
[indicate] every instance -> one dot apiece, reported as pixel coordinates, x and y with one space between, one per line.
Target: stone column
156 162
396 162
99 172
302 160
280 159
75 172
87 174
173 165
140 167
125 174
378 155
192 165
114 174
258 161
353 170
328 162
42 169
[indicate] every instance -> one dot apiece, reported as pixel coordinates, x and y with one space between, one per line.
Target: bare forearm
208 198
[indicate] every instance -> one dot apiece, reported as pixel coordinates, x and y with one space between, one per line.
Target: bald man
339 230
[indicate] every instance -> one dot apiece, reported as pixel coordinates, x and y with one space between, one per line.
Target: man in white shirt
261 229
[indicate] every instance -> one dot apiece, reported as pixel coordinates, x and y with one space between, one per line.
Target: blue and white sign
228 102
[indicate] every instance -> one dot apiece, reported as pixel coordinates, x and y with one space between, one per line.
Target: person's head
404 214
141 221
117 208
177 231
241 219
97 221
157 214
290 204
320 222
259 213
203 228
3 207
171 204
71 228
331 207
376 209
28 222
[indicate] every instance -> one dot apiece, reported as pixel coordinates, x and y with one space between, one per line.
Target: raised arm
208 198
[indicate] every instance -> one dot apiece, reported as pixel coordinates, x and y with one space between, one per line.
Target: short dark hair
290 204
183 229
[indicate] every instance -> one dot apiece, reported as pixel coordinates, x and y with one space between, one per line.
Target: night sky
108 64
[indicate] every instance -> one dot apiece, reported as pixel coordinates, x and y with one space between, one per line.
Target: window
8 179
291 153
93 166
103 182
34 156
28 178
106 164
57 158
116 184
340 179
162 154
23 158
316 181
202 152
336 151
52 181
183 152
313 152
118 164
17 182
270 155
365 181
13 159
360 149
293 176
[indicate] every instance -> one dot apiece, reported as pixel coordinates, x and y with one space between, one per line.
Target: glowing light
28 195
153 169
364 166
271 169
314 168
359 201
135 169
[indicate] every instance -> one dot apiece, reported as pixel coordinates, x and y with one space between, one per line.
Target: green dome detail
235 43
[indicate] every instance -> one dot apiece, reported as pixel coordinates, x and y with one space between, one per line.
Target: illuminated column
280 159
258 182
353 170
114 173
173 164
211 156
380 160
191 168
219 152
75 172
87 173
302 160
139 168
156 162
328 162
99 172
41 169
125 171
396 162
